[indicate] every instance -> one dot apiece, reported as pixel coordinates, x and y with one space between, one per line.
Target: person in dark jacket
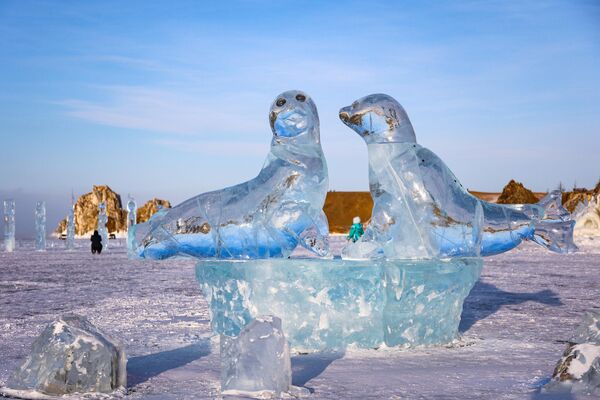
96 240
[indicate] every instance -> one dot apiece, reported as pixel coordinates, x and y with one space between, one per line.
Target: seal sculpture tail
555 230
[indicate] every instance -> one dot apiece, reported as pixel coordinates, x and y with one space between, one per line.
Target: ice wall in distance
420 208
40 226
9 225
330 304
102 221
265 217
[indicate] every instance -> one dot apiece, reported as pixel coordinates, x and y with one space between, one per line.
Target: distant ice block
257 360
102 221
330 304
40 226
70 240
420 208
131 213
131 221
70 356
265 217
578 370
9 225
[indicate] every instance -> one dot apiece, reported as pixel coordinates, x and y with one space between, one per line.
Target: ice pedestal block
258 359
70 356
330 304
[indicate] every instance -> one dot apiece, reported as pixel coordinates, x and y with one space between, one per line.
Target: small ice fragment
258 360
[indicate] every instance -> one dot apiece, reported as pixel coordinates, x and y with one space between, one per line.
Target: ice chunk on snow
70 356
579 368
258 360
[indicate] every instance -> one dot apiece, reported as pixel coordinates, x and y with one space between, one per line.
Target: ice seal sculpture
267 216
422 211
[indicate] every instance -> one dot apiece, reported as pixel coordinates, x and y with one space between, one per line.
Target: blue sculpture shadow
485 299
142 368
552 396
309 366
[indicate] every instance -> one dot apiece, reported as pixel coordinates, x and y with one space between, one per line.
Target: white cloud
171 111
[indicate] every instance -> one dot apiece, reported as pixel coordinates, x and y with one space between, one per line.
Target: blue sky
170 99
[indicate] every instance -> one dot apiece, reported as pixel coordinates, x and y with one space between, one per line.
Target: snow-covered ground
515 322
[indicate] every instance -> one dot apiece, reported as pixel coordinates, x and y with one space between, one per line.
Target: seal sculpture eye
300 97
280 102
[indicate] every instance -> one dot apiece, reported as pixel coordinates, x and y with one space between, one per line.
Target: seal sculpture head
379 118
293 118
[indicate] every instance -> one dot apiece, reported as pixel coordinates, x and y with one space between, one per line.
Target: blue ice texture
265 217
422 211
331 304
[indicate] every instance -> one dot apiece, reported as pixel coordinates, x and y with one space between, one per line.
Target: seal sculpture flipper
267 216
420 208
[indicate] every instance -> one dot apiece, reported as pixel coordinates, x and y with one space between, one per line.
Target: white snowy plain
513 331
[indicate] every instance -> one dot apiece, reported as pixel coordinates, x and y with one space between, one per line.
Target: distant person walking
96 240
356 230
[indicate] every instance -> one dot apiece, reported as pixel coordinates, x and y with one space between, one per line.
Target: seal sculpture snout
344 115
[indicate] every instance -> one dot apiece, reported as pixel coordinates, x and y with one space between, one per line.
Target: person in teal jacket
356 231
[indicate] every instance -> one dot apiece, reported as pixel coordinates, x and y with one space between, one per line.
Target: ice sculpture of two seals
267 216
422 211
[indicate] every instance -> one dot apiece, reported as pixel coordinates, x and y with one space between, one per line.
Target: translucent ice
70 356
267 216
420 208
330 304
40 226
9 225
102 221
257 360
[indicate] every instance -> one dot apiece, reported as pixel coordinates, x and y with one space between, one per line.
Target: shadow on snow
485 299
142 368
309 366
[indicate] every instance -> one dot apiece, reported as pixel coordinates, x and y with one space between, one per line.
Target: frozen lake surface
514 324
